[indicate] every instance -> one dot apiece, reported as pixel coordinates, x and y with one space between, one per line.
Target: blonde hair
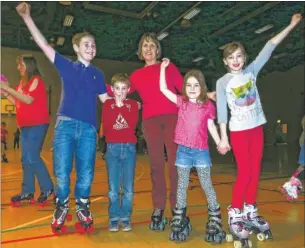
198 75
149 37
120 78
77 37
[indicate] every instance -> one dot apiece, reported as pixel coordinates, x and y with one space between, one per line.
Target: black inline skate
214 231
43 197
60 215
256 224
85 219
180 225
17 199
4 159
157 220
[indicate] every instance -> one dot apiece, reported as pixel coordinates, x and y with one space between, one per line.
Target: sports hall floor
29 225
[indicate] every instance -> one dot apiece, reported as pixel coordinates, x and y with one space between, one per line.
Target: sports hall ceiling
118 27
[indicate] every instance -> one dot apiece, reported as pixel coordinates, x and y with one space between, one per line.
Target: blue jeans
192 157
73 138
121 161
32 139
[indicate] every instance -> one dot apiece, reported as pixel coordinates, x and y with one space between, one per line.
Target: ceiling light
192 13
280 55
198 59
162 35
60 41
263 29
68 20
223 46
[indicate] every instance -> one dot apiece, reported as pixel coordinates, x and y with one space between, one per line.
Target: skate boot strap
157 212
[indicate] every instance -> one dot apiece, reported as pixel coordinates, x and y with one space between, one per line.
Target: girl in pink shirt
196 115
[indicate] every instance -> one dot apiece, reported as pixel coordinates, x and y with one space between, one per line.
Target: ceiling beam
51 9
9 27
125 13
243 19
168 26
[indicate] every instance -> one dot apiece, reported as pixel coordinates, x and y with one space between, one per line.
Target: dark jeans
16 143
158 130
32 139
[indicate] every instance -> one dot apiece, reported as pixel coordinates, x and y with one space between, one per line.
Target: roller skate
85 219
291 189
214 231
60 215
157 220
238 231
256 224
180 225
43 197
4 159
17 199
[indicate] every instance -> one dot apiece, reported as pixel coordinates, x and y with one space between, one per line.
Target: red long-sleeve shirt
119 123
146 81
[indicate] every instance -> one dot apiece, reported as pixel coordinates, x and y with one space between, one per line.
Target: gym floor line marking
10 173
44 218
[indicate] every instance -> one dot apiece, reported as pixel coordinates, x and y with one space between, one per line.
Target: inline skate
292 189
180 225
17 199
157 220
60 215
214 231
85 219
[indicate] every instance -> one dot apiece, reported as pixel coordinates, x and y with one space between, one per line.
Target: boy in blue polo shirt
75 128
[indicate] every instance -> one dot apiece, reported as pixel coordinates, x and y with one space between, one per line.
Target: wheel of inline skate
229 238
162 226
261 236
69 217
237 244
249 243
165 221
171 236
63 229
182 236
151 226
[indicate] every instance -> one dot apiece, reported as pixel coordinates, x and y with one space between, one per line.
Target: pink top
192 123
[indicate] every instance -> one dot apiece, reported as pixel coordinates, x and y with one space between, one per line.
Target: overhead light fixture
263 29
68 20
198 59
162 35
60 41
280 55
223 46
191 13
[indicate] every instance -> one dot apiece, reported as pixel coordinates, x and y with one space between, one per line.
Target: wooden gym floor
29 225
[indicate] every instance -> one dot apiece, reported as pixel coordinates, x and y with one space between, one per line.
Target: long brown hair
198 75
30 65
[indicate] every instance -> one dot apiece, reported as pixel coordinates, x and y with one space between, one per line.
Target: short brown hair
198 75
149 37
77 37
120 78
232 47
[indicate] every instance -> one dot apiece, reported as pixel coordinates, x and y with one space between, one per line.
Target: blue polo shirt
80 88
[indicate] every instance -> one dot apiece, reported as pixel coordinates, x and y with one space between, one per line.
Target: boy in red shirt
4 134
120 117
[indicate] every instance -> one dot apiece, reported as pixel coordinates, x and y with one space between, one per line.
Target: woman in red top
159 119
30 99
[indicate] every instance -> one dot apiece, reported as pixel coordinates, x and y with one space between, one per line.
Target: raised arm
23 10
163 86
295 19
